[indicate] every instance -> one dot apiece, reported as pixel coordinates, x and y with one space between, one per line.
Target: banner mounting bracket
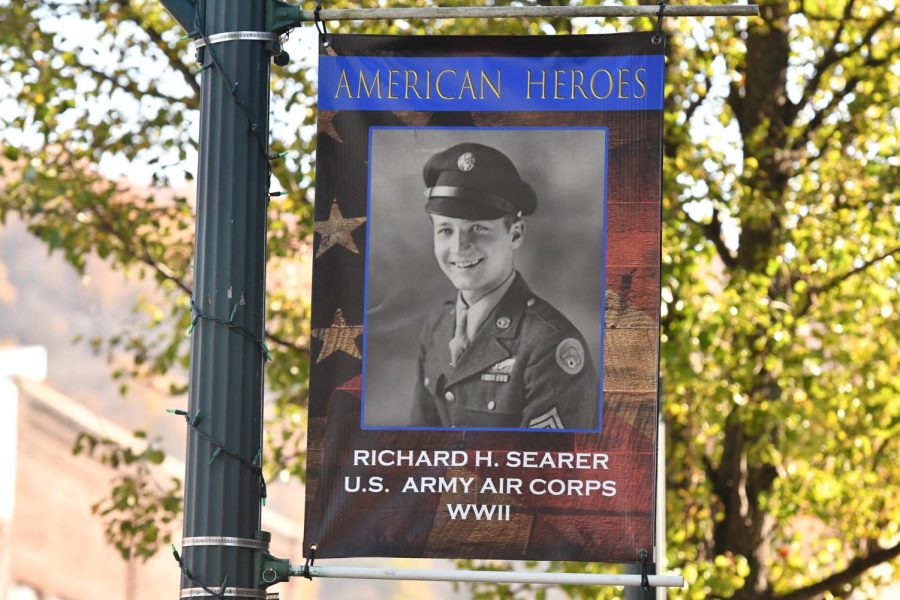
309 571
293 16
269 569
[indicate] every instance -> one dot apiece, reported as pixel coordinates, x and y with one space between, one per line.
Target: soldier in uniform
496 355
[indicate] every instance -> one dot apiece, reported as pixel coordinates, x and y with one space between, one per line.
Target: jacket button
449 396
491 405
427 381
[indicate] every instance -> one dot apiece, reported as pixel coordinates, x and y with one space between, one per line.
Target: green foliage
780 348
138 514
780 351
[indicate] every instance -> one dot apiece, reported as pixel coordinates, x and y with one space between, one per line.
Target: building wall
57 547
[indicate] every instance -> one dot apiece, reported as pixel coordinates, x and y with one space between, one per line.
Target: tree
781 361
781 385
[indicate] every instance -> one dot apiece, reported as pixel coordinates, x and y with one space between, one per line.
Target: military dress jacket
526 367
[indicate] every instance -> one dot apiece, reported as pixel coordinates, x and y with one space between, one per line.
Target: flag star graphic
339 336
337 231
326 125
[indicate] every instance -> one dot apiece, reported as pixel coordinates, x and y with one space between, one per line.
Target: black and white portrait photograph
485 278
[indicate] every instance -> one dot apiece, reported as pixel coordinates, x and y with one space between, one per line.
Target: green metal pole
222 502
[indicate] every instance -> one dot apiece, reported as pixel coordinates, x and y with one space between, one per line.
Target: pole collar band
229 591
237 36
224 541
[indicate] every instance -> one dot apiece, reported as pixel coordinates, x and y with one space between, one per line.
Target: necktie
460 339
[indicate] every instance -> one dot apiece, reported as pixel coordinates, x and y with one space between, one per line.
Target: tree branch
829 58
836 99
816 291
849 86
713 476
132 88
736 102
836 581
713 233
175 61
693 106
836 281
129 245
141 254
878 452
670 145
283 342
846 18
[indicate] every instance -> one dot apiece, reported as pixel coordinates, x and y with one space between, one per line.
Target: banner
485 332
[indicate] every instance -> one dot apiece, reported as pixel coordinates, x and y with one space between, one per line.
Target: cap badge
466 162
503 322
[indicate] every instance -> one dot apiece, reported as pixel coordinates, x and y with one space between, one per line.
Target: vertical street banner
485 332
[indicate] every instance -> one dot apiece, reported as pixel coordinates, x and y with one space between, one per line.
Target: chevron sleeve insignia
548 420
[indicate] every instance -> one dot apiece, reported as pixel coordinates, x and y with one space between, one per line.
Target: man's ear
517 231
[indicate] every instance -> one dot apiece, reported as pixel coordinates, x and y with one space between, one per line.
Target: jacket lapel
438 358
493 343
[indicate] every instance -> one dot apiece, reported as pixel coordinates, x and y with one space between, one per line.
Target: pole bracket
281 16
269 569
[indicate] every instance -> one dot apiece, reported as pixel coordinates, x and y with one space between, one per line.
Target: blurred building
51 545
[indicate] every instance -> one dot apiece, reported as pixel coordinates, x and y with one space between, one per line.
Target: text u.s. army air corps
584 482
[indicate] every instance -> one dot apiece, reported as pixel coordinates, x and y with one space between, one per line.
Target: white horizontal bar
487 576
458 12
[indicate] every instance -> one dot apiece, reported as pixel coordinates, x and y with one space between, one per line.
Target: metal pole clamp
224 541
229 591
237 36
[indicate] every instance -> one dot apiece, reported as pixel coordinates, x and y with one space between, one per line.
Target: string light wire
190 577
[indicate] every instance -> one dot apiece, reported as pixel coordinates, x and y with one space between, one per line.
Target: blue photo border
604 235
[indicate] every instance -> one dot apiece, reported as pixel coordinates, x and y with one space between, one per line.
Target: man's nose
461 240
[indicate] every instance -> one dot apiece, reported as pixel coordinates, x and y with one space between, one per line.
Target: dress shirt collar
479 311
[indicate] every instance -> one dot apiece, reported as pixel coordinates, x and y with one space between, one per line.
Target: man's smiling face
477 256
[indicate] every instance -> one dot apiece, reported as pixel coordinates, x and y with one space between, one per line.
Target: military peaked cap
474 181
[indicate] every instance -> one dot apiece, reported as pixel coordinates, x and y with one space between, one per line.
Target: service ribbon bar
491 83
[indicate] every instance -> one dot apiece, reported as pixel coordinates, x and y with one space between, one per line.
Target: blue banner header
502 84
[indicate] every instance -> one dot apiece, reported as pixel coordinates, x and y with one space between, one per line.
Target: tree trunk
758 104
746 527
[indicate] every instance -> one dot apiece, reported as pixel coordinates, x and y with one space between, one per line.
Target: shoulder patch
570 356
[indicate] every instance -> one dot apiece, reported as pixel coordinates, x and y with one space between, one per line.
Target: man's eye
443 231
479 228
